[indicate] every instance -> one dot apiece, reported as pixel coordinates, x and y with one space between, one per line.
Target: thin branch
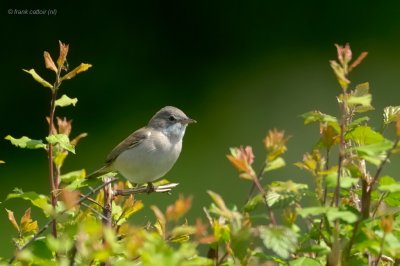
381 198
43 229
382 164
253 185
144 189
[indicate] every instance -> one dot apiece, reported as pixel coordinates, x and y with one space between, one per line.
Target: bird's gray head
171 121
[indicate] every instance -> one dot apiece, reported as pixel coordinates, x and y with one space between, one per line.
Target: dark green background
239 68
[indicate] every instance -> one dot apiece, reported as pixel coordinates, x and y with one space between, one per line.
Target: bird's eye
171 118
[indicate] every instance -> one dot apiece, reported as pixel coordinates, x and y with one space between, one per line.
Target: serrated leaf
25 142
280 239
38 78
364 135
62 140
64 100
38 200
390 114
81 68
275 164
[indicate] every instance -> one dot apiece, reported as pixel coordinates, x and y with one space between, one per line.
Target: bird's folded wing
130 142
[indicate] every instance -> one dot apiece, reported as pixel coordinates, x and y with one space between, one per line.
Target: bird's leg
150 188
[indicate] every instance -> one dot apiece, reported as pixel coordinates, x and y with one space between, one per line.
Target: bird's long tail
102 171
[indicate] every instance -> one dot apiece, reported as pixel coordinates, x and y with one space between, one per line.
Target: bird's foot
150 188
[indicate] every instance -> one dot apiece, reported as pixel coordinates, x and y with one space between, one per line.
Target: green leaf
71 176
275 164
312 211
304 261
345 181
38 78
253 203
358 121
347 216
38 200
390 187
331 213
374 153
386 180
360 98
74 179
317 116
390 114
26 142
280 239
364 100
64 100
62 140
364 135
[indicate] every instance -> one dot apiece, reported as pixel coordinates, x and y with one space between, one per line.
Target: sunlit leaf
11 218
38 200
275 164
374 153
340 74
38 78
304 261
25 142
71 176
179 208
64 100
81 68
62 140
332 213
344 215
358 61
360 98
317 116
390 187
275 143
390 114
345 181
28 226
280 239
364 135
357 122
48 61
63 54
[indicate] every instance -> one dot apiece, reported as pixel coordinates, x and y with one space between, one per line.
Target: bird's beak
188 121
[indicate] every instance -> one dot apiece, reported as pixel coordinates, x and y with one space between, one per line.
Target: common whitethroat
150 152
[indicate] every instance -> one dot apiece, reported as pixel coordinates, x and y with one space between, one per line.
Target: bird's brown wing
131 141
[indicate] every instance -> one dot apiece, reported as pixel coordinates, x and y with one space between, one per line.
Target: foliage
348 217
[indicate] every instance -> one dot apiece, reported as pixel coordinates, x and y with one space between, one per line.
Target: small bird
151 151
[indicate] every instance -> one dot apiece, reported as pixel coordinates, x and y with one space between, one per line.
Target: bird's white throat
175 132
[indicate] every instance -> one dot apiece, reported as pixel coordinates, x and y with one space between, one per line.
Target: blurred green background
238 68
